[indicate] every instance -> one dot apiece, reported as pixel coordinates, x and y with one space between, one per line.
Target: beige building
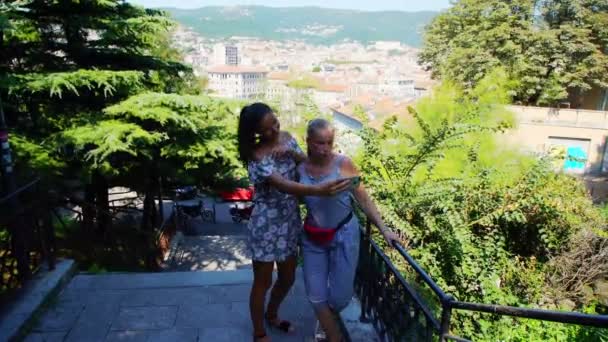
397 87
276 85
580 134
224 54
327 95
237 82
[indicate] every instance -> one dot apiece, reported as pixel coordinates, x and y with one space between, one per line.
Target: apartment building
237 82
397 87
226 55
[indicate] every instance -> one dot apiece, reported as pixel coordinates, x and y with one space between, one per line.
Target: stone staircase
169 306
209 253
202 295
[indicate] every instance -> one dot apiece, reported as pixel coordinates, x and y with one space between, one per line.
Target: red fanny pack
324 236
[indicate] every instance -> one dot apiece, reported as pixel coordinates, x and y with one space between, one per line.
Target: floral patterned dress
275 222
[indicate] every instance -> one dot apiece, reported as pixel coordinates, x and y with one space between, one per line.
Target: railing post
48 229
6 162
19 229
365 248
446 316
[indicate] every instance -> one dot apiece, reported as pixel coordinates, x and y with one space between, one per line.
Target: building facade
396 87
232 55
237 82
226 55
578 135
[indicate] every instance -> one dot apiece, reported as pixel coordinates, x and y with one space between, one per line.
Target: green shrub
484 220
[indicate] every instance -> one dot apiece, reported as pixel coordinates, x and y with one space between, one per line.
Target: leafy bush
485 221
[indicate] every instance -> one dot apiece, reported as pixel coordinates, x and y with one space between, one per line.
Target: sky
365 5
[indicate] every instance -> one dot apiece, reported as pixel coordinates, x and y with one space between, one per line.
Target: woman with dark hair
271 157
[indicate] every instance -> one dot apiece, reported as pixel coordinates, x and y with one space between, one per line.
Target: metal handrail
26 217
449 303
425 277
407 286
18 191
600 321
542 314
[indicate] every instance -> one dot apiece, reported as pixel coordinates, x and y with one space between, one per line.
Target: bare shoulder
258 154
286 136
348 167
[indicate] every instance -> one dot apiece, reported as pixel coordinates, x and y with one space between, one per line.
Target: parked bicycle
187 206
243 206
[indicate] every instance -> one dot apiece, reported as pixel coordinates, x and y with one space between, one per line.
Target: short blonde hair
318 124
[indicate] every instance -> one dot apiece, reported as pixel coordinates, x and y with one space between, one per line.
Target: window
576 151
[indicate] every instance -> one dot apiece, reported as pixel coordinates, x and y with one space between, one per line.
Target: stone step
129 281
166 306
223 229
209 253
358 330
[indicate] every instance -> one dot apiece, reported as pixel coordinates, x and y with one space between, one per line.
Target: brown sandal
257 337
281 325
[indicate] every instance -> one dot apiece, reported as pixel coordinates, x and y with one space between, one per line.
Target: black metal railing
398 312
27 236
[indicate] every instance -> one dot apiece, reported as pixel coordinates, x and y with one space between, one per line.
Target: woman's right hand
333 187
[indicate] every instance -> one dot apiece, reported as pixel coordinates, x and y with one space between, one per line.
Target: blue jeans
329 271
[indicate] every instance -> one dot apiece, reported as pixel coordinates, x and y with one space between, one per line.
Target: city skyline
363 5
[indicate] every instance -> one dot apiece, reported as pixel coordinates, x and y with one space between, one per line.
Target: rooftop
378 109
332 88
279 76
234 69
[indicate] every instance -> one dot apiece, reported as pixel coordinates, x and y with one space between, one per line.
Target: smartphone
354 181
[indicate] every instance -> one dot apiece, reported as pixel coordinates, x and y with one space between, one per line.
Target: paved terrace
169 306
203 295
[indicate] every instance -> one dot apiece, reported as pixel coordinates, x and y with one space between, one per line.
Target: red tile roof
334 88
235 69
382 109
278 75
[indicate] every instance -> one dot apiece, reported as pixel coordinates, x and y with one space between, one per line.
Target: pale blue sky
367 5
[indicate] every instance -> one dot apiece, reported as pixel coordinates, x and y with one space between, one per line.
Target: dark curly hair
249 121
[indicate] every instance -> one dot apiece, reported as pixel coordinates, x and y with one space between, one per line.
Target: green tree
316 69
361 115
552 49
65 65
305 82
65 61
143 139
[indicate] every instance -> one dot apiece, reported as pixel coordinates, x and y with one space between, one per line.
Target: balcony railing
399 313
27 237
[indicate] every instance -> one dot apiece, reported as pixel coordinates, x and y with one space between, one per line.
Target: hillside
311 24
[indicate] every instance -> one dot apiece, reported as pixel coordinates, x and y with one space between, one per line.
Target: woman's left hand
288 152
282 152
390 236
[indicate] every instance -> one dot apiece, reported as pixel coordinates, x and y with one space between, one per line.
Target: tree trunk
88 208
146 220
161 214
149 214
102 202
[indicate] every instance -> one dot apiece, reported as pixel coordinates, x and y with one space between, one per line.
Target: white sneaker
319 333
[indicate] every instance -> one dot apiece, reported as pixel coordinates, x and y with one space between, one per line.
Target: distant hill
311 24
